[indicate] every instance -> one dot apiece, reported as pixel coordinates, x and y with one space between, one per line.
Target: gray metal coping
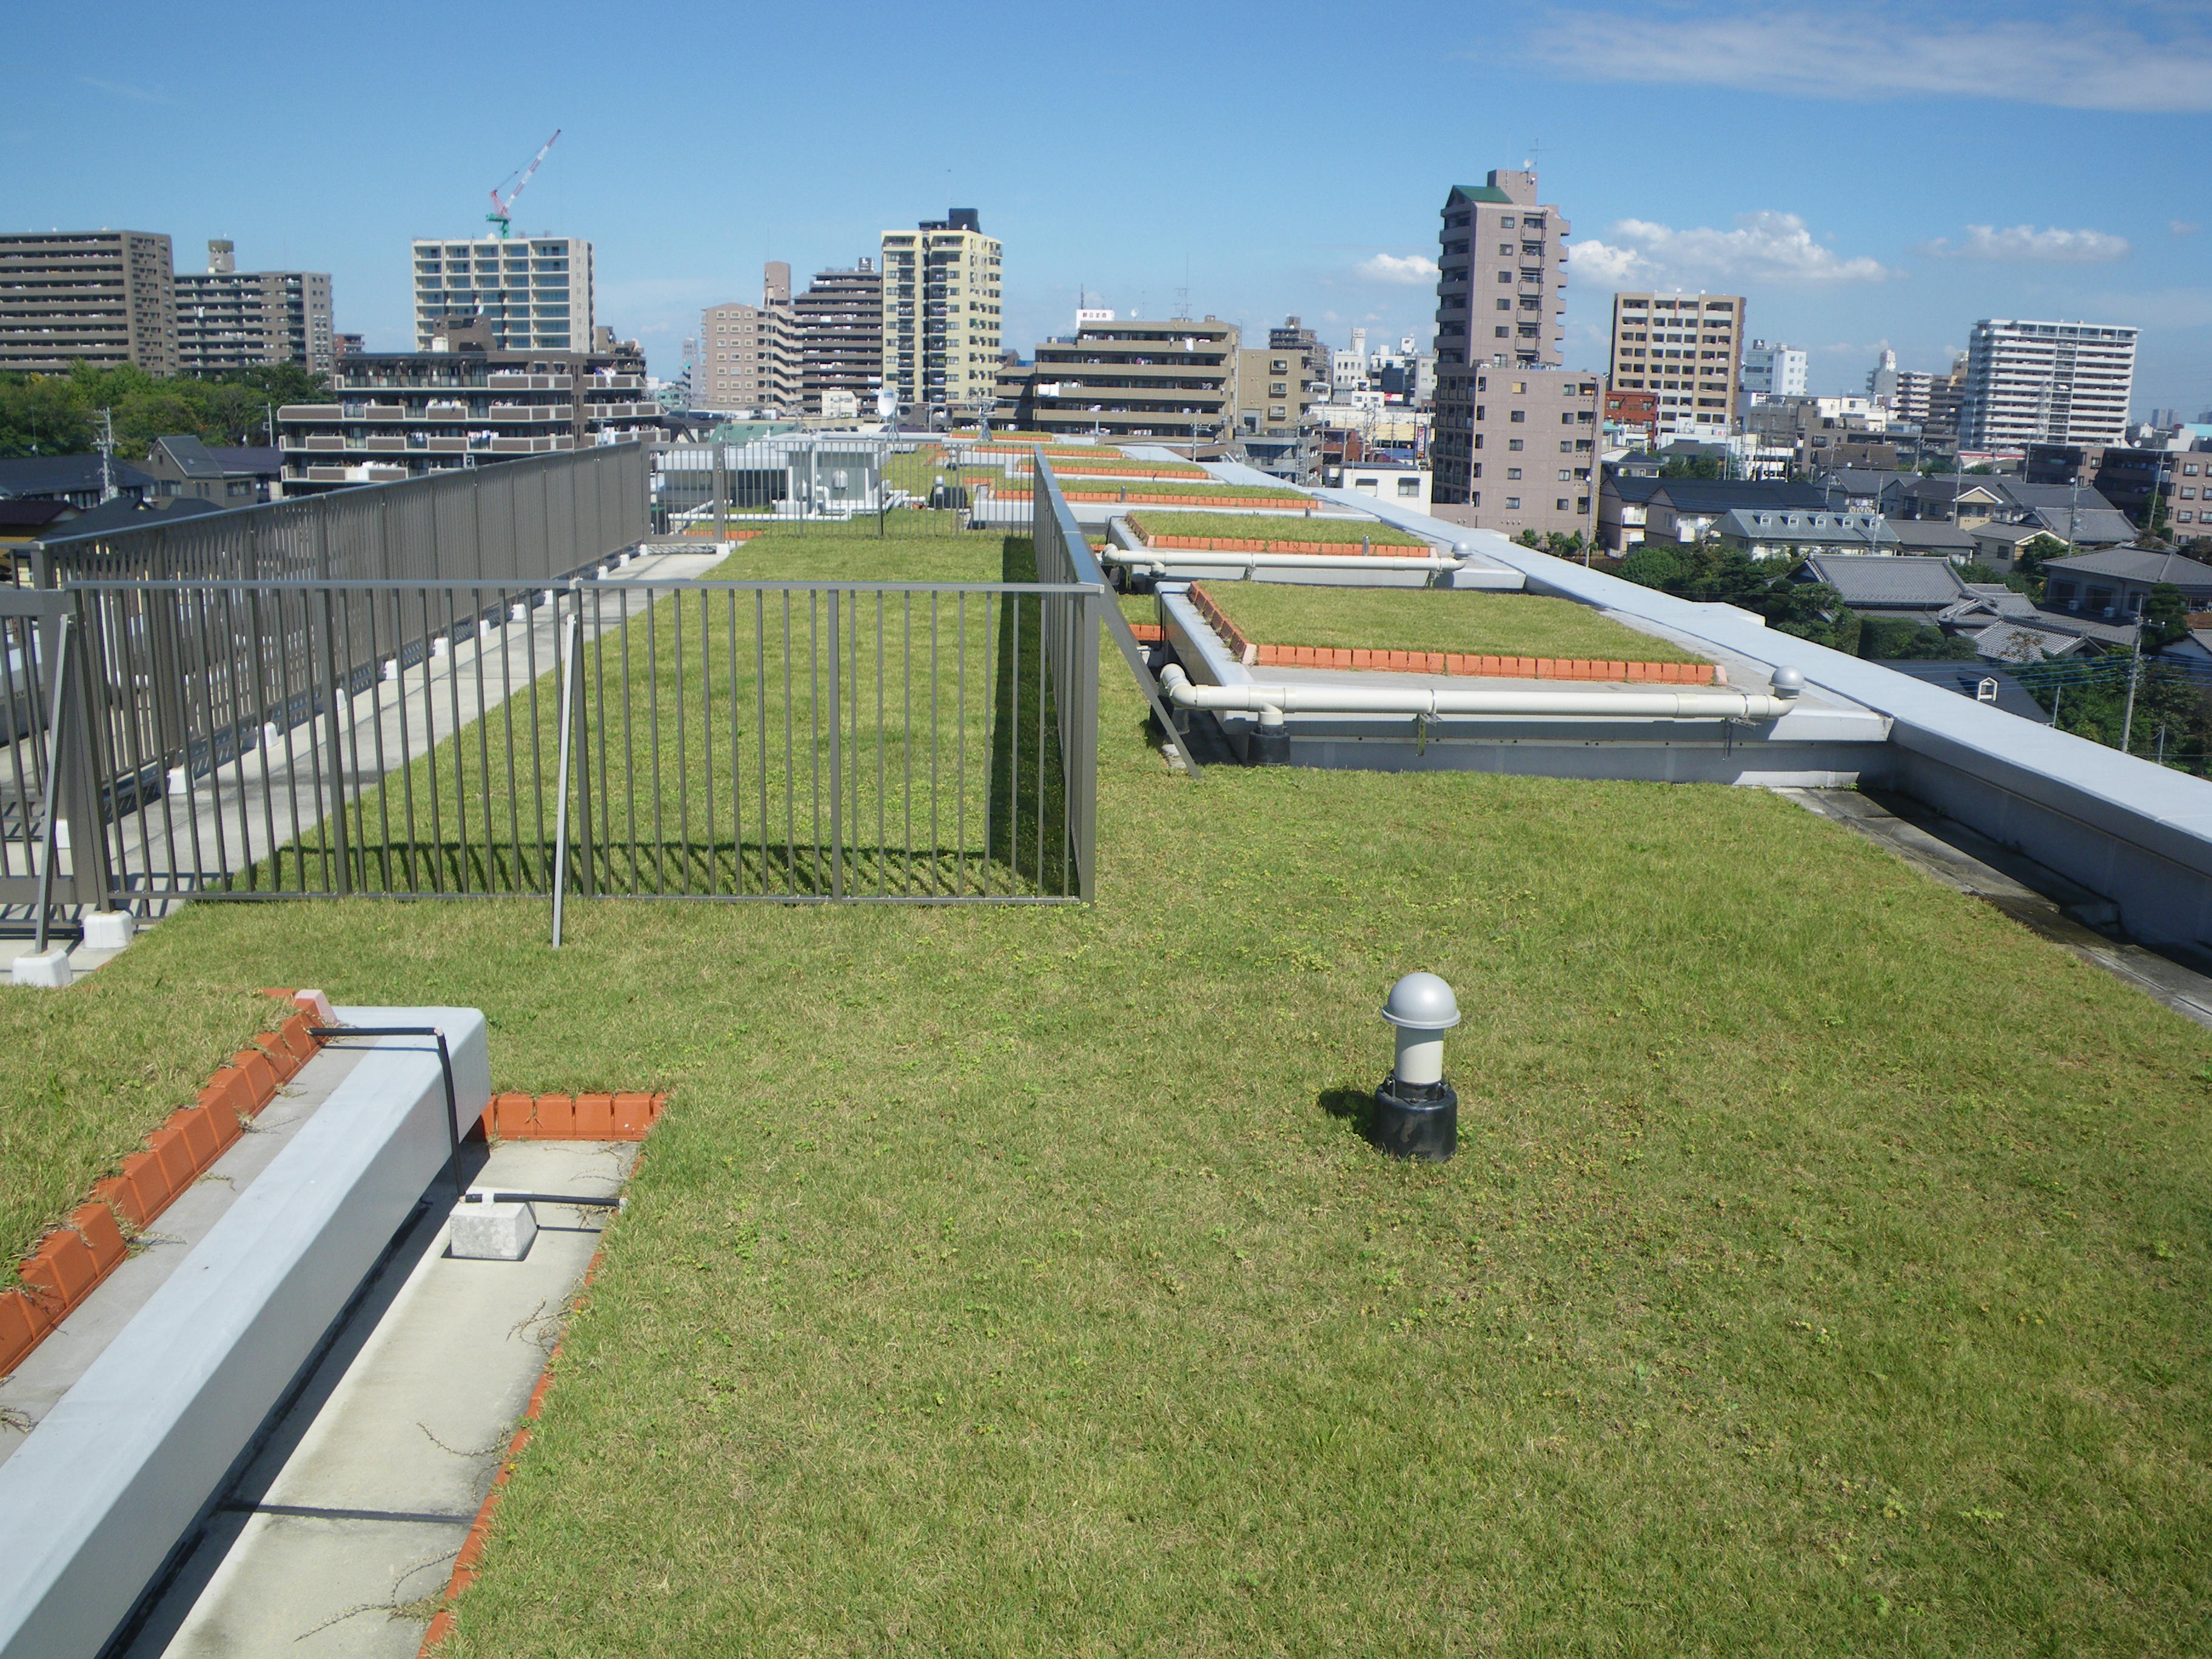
2165 812
99 1494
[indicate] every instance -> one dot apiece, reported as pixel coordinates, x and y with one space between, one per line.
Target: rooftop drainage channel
146 1400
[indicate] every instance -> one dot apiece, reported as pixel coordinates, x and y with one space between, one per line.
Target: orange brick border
71 1262
1372 549
1447 662
572 1117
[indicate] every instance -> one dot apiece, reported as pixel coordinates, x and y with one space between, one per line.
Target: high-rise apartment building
1530 441
103 297
748 355
941 313
535 292
231 319
1686 347
1501 274
1501 283
2060 383
1771 371
841 336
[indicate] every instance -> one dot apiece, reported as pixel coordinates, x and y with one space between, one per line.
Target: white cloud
1888 51
2025 242
124 89
2183 227
1410 268
1761 248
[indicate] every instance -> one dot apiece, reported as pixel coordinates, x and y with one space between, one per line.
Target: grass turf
1822 1272
1434 619
1282 527
86 1074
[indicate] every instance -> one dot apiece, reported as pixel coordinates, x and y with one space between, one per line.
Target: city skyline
1691 151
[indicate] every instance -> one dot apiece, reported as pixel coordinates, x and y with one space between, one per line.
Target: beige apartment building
1688 350
534 292
1173 378
103 297
750 357
942 283
231 319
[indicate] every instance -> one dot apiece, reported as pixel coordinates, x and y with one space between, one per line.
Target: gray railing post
836 754
571 662
334 729
58 735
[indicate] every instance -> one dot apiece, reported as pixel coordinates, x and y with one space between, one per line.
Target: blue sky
1882 174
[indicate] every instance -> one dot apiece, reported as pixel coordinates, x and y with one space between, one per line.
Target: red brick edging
1370 549
573 1117
71 1262
1446 662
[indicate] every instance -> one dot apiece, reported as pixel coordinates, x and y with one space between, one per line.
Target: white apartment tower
2058 383
535 292
941 315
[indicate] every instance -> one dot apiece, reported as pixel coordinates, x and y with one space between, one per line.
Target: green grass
711 766
85 1075
1434 619
1823 1271
1285 527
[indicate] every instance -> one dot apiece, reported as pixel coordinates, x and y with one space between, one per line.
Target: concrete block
108 930
48 969
497 1232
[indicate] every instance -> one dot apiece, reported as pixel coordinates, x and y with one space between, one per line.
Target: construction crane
502 210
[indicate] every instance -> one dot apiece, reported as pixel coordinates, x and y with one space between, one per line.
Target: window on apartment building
1505 250
1475 472
1512 501
1507 222
1517 416
1566 475
1560 505
1505 275
1514 444
1503 332
1513 472
1504 304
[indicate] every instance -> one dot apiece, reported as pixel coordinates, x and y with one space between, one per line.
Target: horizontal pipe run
1325 698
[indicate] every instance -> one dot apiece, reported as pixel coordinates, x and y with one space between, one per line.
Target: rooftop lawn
1273 527
1434 619
1823 1270
1177 488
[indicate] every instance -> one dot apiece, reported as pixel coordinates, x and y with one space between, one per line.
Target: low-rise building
1794 533
1683 510
1401 486
1276 386
82 480
182 465
1169 378
2116 583
409 413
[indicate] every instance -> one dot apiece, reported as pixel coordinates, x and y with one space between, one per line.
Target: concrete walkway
337 1540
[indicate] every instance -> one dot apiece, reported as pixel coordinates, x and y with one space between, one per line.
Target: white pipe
1325 698
1157 559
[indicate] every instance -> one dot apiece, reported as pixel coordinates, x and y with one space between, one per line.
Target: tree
2165 617
1713 573
1692 466
53 414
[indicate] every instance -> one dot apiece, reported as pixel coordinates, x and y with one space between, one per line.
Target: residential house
82 480
2116 582
1793 532
1687 509
1623 502
183 466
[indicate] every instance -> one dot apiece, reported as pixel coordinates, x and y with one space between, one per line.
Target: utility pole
105 442
2135 673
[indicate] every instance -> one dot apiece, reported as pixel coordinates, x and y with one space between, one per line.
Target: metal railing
538 519
837 483
795 741
789 740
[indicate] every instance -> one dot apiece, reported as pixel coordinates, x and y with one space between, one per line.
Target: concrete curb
98 1494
